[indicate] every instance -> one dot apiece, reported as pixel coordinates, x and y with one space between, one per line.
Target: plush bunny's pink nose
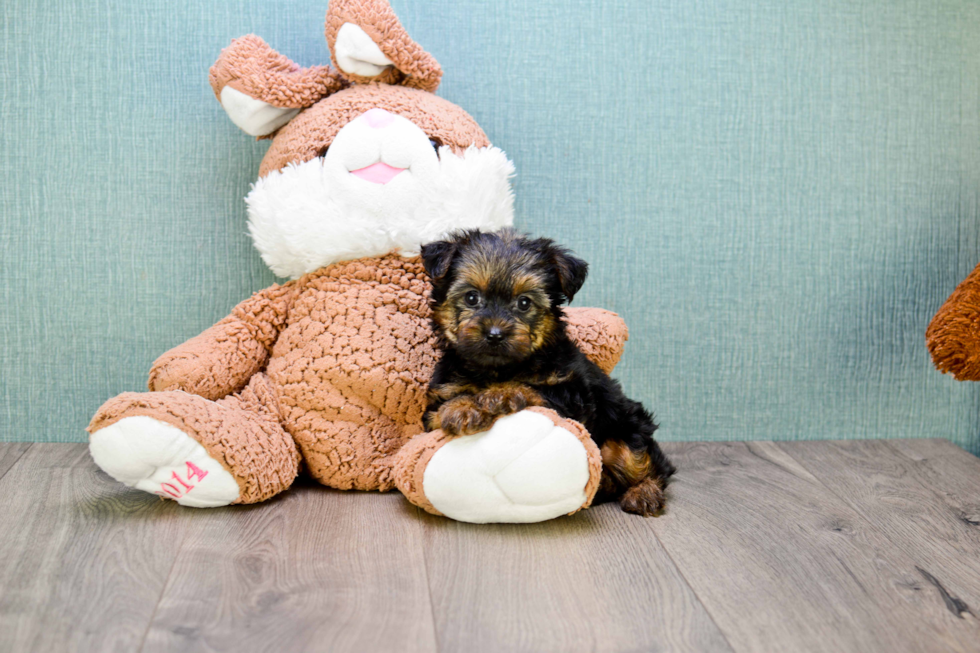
378 118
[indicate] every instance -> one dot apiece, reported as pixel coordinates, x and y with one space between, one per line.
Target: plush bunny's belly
352 366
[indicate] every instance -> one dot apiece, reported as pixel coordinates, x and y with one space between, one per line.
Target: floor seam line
428 582
842 498
19 458
911 554
693 592
914 556
163 591
918 481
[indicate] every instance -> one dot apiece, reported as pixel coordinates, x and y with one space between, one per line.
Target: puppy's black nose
495 336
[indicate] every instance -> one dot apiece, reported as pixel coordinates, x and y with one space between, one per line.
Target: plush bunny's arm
953 336
221 360
601 334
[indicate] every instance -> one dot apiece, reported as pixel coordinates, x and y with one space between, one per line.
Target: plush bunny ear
369 44
261 90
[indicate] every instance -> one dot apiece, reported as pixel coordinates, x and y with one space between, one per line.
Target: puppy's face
497 296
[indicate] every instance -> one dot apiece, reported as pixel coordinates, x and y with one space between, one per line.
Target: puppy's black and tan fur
496 304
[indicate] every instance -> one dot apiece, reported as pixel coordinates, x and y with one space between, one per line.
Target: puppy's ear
570 270
437 258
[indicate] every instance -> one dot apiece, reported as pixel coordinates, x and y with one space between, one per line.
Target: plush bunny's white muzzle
381 187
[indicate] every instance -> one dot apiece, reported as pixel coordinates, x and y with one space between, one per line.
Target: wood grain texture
948 470
926 502
10 453
855 546
83 559
312 570
782 563
596 581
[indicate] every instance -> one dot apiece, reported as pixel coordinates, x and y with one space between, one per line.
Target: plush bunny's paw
155 457
527 468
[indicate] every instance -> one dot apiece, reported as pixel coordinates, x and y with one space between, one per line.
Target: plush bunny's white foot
155 457
524 469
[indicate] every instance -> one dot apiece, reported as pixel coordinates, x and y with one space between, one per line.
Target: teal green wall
776 195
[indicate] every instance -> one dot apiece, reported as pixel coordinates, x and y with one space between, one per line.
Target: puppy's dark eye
523 303
472 298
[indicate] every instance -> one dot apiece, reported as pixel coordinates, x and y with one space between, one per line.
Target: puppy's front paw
463 416
506 399
646 498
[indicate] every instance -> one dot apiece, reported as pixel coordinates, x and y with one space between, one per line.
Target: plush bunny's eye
436 144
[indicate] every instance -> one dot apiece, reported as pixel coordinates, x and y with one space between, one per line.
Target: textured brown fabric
242 432
599 333
308 134
410 464
221 360
250 66
953 336
414 457
413 66
348 351
352 365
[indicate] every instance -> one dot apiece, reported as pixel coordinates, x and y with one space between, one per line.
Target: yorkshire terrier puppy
496 306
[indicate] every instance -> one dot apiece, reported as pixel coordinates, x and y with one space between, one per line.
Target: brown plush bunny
953 336
328 371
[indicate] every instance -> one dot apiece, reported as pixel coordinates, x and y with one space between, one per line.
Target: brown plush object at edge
953 336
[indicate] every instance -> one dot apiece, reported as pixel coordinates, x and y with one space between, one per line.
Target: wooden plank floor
807 546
